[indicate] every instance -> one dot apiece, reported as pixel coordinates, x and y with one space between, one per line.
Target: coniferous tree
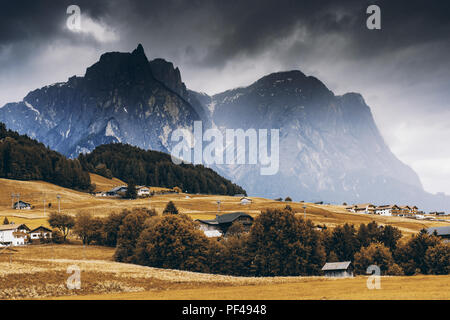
170 208
131 191
155 168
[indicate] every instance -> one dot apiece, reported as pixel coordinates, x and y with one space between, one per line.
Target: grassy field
392 288
40 272
197 206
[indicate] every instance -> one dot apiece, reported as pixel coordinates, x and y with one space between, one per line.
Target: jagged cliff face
120 99
330 147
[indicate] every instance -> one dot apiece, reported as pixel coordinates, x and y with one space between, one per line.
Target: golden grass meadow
40 271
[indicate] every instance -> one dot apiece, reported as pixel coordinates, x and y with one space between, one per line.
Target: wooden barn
338 269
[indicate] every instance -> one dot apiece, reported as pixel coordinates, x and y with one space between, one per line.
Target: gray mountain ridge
330 147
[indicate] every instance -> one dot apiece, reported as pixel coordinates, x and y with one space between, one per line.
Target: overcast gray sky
402 70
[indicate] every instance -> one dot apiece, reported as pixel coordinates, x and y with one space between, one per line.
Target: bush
288 199
395 270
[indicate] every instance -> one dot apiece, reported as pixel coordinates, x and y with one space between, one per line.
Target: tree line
279 243
154 168
23 158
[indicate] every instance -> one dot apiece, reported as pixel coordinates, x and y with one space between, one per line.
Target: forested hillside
23 158
154 168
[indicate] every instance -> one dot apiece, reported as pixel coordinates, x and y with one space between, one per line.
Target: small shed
338 269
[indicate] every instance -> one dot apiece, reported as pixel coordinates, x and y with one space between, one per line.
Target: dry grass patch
392 288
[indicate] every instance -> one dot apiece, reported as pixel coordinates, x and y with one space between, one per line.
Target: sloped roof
387 206
441 231
330 266
117 188
41 227
226 218
21 202
364 205
13 226
230 217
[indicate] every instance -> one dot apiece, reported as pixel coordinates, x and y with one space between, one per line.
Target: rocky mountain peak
139 51
165 72
113 67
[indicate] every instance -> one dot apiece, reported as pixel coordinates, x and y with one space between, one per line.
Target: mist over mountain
330 147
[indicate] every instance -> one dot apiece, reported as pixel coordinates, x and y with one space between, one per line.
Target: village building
117 191
367 208
441 232
338 269
408 211
13 234
387 210
40 232
143 191
223 222
441 213
245 201
21 205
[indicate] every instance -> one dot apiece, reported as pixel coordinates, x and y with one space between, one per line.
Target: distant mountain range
330 147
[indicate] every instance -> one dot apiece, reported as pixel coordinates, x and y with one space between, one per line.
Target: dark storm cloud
232 28
402 70
32 20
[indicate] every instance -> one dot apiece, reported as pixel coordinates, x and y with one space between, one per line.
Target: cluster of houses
18 234
120 191
384 210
